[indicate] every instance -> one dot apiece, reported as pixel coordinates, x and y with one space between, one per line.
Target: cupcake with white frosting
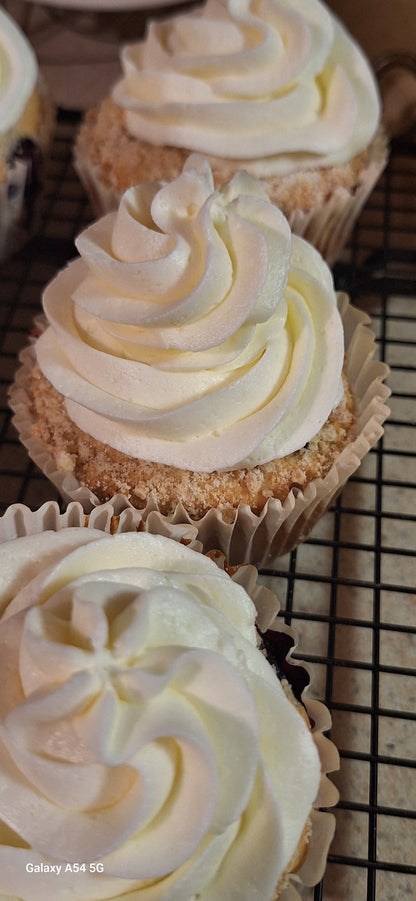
195 362
27 118
133 680
277 87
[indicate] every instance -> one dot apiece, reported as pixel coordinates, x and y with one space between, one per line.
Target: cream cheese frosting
194 330
278 84
147 748
18 73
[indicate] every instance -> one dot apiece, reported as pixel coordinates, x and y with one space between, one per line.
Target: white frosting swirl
195 331
18 72
279 84
140 727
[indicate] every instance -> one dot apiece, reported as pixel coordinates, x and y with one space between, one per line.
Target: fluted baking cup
329 224
279 642
250 537
103 198
20 520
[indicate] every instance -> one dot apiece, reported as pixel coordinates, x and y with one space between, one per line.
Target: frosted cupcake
279 88
133 681
27 119
196 363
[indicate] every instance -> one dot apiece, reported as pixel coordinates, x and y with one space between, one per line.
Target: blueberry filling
24 174
277 646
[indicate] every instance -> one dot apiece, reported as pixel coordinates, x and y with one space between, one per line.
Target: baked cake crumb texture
107 472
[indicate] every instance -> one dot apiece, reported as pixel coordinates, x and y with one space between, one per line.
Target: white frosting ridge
278 84
194 330
18 72
140 726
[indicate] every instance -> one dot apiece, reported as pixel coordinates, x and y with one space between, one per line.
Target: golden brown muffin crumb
123 160
106 471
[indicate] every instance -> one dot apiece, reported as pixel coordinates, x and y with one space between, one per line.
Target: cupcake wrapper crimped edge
18 521
103 199
328 226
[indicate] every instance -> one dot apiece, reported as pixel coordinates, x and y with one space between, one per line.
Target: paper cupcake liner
103 198
250 538
329 226
322 822
19 520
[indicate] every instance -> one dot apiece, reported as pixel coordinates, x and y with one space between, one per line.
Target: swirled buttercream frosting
147 749
194 330
279 84
18 73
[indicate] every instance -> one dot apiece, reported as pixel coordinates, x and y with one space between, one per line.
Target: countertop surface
349 590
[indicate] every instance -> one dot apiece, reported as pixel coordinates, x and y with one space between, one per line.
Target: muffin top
195 330
279 84
147 744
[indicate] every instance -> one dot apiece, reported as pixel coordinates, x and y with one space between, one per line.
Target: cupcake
195 363
27 119
134 681
279 88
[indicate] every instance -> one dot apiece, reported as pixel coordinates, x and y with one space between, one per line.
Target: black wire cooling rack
349 590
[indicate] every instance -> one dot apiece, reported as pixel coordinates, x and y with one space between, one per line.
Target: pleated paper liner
250 537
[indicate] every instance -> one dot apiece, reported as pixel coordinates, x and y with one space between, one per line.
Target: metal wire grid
349 590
